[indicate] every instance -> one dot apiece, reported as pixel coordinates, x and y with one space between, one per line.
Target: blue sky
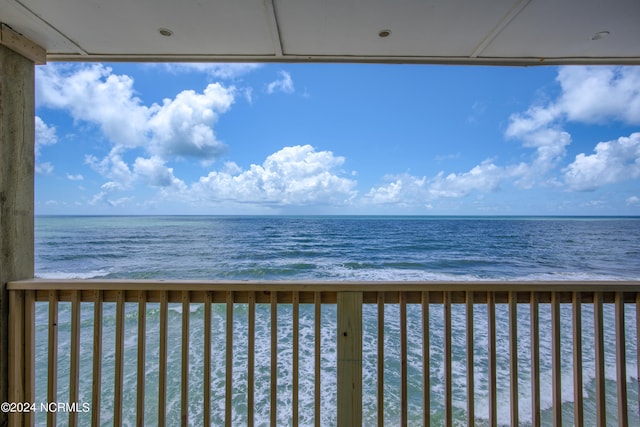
337 139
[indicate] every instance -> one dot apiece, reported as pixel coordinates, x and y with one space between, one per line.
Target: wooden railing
469 341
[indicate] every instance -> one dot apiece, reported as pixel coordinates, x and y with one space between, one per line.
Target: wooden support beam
17 136
22 45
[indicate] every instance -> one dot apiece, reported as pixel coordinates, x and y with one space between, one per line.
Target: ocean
337 248
333 248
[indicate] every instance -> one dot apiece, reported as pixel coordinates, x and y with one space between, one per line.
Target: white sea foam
328 403
60 275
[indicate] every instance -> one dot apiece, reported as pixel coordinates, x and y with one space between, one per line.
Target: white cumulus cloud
611 162
112 167
153 171
44 134
95 95
184 126
408 190
485 177
180 126
591 95
177 128
297 175
599 94
401 190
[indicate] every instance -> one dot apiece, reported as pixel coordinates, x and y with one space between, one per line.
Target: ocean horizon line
386 216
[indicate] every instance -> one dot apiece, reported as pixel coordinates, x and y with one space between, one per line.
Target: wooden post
17 358
17 136
349 359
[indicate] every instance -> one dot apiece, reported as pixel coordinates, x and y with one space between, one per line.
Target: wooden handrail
560 286
348 298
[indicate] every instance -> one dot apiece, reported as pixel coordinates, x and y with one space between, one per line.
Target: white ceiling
430 31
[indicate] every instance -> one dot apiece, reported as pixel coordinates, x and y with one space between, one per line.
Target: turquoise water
337 248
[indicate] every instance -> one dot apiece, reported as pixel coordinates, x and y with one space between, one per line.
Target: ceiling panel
428 31
418 28
29 24
131 27
564 29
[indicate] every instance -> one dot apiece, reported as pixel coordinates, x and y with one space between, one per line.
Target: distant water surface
337 248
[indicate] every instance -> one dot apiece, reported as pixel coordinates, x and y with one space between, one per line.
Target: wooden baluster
30 353
535 361
162 362
142 366
448 397
638 347
403 360
493 385
119 356
380 366
621 361
274 359
251 359
52 381
513 356
470 357
426 361
578 404
96 387
184 383
74 368
228 395
598 324
16 355
556 360
207 359
317 302
295 356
